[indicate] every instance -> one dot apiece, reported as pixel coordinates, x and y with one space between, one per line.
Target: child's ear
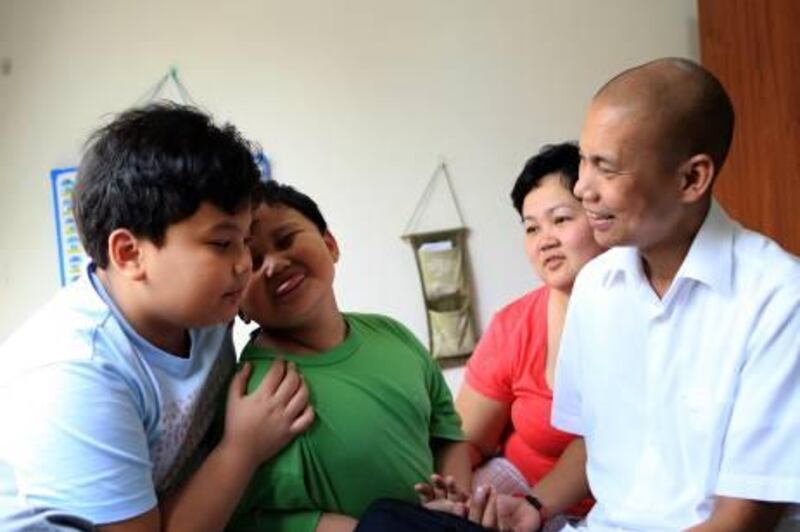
332 245
125 253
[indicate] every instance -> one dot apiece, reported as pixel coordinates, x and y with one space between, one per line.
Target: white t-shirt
97 422
690 396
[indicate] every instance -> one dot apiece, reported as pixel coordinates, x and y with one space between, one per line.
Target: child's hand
443 494
258 425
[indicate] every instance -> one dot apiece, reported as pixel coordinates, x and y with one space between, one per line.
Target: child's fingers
303 421
437 481
288 386
442 505
298 402
238 385
439 486
425 492
454 493
272 379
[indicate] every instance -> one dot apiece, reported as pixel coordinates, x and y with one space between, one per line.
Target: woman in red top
506 398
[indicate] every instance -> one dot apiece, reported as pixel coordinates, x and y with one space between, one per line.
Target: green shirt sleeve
445 423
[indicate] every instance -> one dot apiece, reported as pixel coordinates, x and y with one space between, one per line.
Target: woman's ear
126 254
332 245
697 176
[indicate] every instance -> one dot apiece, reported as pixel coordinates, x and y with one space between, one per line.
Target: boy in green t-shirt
384 416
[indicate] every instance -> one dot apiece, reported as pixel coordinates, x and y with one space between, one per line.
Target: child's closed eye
286 241
220 244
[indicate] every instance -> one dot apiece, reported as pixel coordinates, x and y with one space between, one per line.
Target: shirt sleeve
489 370
445 421
78 443
759 458
567 398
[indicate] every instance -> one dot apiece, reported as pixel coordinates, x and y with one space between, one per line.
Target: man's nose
583 179
584 188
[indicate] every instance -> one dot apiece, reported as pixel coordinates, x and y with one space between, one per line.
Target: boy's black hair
276 194
562 159
152 167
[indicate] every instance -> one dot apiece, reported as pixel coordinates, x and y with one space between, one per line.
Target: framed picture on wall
72 259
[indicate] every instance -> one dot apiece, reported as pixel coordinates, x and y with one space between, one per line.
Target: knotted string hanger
154 93
443 172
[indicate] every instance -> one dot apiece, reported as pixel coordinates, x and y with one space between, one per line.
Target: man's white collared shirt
689 396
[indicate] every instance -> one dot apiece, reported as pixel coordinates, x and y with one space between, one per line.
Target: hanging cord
184 93
154 92
423 200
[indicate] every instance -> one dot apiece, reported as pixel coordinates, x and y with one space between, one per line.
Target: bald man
680 359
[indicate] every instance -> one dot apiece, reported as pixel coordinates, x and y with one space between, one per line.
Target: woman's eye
220 244
531 230
561 219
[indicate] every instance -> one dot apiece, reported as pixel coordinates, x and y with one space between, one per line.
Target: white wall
354 100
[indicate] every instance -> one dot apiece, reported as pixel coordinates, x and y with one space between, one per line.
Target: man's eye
531 230
607 171
220 244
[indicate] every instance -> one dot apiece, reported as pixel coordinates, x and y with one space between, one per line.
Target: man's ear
332 245
126 254
697 176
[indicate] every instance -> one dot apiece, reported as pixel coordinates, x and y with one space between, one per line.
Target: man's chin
608 240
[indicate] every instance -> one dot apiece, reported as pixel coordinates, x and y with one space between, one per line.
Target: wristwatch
536 503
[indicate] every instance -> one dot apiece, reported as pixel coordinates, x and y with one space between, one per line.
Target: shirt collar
709 260
176 365
710 257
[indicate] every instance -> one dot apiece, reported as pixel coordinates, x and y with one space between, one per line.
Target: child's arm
336 523
449 488
452 460
257 426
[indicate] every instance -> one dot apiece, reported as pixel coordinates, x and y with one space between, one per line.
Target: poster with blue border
72 259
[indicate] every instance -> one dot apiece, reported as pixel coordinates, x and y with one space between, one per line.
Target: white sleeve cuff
759 488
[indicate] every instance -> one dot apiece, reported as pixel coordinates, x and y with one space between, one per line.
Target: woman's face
558 238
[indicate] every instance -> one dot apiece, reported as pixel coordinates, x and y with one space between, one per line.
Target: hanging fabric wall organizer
442 264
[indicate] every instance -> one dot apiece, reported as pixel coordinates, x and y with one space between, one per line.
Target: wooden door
753 46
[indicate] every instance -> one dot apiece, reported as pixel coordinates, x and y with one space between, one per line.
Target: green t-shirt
379 400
